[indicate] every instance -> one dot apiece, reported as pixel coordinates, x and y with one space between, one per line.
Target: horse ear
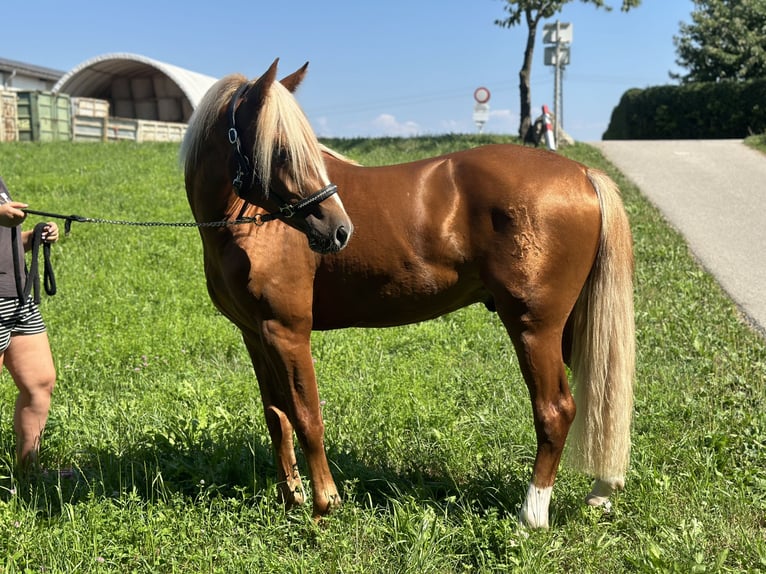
264 82
292 81
260 87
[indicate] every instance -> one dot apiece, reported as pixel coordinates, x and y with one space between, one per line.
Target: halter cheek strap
244 171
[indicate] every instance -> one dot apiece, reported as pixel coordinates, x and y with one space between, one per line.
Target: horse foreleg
553 409
289 485
309 428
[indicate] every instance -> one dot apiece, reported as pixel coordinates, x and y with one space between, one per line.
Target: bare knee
39 388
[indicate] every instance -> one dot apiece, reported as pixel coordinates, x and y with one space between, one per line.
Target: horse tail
603 348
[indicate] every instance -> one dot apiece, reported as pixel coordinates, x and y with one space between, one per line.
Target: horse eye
282 155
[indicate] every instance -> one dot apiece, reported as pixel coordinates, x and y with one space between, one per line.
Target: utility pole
560 35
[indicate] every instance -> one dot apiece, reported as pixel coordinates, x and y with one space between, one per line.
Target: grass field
159 460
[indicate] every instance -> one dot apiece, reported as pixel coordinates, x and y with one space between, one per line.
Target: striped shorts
18 319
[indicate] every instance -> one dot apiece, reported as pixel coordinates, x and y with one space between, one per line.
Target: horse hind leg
553 410
289 485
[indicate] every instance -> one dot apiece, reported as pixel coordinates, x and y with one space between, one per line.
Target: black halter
245 174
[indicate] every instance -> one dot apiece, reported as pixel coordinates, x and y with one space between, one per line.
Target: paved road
714 193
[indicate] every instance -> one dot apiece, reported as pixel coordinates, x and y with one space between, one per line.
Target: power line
398 101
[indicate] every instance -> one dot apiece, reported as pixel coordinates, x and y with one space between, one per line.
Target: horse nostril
341 235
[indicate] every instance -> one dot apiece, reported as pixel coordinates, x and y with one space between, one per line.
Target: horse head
284 171
252 140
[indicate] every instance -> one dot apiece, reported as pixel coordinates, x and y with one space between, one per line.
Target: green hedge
690 111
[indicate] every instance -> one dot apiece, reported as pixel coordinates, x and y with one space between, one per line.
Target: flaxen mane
204 119
282 130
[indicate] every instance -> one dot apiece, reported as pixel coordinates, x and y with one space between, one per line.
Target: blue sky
377 67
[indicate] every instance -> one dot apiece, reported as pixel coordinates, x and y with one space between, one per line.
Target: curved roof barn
137 87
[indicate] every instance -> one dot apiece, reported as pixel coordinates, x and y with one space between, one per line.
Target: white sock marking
534 511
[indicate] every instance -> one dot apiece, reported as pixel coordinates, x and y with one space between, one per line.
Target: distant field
158 454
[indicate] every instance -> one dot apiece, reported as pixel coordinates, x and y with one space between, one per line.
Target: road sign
557 33
481 95
563 56
480 114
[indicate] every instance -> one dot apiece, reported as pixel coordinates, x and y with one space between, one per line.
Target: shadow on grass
157 468
376 486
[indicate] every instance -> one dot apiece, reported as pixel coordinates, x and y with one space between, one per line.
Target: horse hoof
322 509
599 502
602 490
291 497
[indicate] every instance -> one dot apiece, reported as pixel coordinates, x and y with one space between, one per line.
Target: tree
725 41
532 11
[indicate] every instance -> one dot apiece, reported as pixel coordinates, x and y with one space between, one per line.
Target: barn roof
30 69
137 86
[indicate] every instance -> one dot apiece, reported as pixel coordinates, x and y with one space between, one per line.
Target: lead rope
69 219
32 285
49 278
285 212
33 277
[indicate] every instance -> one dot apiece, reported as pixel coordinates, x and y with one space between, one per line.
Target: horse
539 239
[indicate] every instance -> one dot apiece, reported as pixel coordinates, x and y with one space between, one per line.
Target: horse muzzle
329 230
322 218
327 226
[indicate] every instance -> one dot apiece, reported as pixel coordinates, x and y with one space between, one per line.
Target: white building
20 76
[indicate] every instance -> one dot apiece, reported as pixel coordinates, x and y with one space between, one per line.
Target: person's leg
28 359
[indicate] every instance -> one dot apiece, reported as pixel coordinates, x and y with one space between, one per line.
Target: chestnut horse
540 239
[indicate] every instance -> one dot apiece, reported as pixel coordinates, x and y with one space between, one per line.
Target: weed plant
158 459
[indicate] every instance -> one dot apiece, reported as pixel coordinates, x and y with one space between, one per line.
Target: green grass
158 428
757 141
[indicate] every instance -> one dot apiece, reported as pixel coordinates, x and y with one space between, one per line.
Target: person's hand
11 214
50 232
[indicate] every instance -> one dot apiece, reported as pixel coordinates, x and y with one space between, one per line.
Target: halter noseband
245 174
